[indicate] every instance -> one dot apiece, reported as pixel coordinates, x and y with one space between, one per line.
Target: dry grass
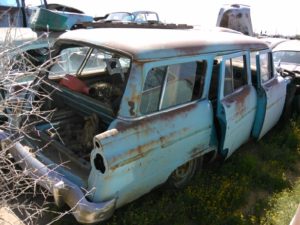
20 109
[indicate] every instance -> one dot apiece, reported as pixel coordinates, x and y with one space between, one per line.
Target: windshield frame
284 52
63 44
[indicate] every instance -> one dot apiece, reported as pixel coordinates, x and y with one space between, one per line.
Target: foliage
18 69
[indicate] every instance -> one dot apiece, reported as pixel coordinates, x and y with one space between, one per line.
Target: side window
265 67
235 74
179 84
69 60
152 90
253 67
214 83
228 78
173 85
200 79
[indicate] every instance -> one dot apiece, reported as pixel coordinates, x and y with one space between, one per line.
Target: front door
271 91
236 102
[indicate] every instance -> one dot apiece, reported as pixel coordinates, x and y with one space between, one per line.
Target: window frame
271 64
81 69
179 60
224 58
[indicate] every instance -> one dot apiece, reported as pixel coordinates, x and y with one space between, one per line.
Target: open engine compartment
67 138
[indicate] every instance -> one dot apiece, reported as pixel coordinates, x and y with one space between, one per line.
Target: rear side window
265 67
172 85
179 84
235 74
152 90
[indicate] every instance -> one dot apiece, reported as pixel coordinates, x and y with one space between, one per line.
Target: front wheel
183 174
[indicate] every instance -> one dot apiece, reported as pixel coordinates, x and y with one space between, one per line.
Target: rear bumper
63 190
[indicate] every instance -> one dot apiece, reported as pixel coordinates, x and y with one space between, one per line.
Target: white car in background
286 56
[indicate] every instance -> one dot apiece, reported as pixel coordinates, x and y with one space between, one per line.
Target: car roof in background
290 45
273 42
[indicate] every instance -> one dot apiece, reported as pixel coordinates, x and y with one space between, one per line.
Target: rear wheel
183 174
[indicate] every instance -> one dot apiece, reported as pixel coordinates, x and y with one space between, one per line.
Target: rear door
174 124
271 90
173 100
236 102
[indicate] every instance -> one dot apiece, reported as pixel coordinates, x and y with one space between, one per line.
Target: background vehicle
287 55
273 42
236 17
13 13
134 17
287 61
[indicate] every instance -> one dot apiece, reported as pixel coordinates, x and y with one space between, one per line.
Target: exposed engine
78 117
74 131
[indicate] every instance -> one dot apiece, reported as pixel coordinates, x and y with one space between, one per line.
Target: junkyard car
236 17
135 108
287 61
134 17
287 55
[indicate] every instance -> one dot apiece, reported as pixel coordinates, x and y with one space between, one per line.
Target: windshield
120 16
145 16
286 57
84 60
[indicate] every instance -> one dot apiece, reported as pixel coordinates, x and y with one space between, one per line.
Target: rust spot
173 137
189 49
132 155
238 99
136 71
131 110
122 126
138 65
142 150
142 127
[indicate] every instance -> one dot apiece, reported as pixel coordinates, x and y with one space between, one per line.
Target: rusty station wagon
135 108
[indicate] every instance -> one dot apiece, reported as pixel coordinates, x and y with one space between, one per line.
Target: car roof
144 11
273 42
152 44
291 45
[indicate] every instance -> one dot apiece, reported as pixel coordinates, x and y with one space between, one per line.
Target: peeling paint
238 99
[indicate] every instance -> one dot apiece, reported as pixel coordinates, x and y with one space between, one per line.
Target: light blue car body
139 150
